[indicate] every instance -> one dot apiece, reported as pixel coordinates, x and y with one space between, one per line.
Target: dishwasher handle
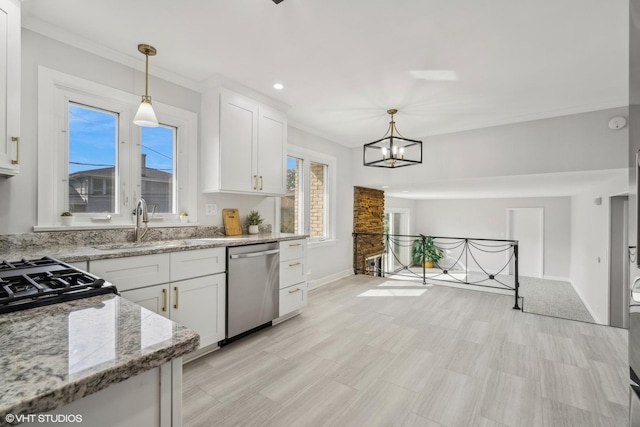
255 254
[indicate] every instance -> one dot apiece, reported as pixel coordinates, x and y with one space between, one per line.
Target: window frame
55 89
308 156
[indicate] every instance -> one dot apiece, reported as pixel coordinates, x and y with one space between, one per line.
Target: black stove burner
26 284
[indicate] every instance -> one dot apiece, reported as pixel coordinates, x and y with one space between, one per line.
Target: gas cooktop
34 283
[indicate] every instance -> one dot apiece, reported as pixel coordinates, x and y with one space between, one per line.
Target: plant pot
66 220
184 219
428 264
254 229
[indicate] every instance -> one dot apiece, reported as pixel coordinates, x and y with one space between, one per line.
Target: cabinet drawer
291 249
133 272
292 298
185 265
292 272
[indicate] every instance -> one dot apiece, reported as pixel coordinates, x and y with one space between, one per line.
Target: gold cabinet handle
255 182
295 264
291 245
295 290
16 139
261 183
175 289
164 299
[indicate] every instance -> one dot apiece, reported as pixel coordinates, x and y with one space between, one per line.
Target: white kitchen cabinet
244 145
293 276
133 272
9 87
198 304
188 287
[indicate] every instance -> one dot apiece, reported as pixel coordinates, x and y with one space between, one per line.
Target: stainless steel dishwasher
252 288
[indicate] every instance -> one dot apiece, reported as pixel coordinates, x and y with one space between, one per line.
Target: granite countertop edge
184 342
108 251
90 384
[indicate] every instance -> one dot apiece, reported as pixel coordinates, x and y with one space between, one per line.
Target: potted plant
66 218
253 221
425 250
184 216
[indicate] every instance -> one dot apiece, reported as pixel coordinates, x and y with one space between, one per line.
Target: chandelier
393 150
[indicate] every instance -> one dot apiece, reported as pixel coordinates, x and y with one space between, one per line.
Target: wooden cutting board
231 219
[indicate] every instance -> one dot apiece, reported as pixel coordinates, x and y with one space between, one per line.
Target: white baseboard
558 278
314 284
586 304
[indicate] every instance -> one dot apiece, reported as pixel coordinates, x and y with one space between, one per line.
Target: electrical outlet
211 209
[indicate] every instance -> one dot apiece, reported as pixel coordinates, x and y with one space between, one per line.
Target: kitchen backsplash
30 241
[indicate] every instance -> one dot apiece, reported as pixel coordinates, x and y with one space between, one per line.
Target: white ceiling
345 62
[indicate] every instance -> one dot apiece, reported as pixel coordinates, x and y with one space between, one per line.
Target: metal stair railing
394 256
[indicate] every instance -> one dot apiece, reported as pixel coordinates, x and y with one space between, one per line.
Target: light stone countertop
120 250
53 355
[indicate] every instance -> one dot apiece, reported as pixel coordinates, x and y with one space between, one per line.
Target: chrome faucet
142 216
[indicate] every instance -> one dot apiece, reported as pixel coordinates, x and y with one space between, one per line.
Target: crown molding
74 40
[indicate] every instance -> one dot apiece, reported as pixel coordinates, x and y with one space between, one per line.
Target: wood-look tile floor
372 352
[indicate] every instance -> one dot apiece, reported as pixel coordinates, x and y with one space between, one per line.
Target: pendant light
393 150
146 116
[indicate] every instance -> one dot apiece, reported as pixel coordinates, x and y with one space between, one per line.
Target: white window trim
309 156
52 87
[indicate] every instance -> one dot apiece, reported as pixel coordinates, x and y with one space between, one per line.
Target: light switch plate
211 209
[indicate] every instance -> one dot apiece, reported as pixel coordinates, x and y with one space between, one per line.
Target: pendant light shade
146 116
393 150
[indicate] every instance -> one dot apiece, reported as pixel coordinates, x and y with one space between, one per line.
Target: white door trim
540 269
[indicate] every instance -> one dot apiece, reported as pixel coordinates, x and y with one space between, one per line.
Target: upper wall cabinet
9 87
244 145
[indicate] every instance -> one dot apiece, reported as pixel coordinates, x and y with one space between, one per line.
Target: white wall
589 246
578 142
19 193
487 219
331 259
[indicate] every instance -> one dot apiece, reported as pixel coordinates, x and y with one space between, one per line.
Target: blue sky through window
92 138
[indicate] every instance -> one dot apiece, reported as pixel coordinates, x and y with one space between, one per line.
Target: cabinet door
199 304
9 86
153 298
238 136
272 152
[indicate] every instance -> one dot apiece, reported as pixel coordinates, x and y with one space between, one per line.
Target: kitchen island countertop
60 353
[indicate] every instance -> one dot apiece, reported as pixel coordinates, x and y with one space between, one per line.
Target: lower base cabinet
198 304
293 298
150 399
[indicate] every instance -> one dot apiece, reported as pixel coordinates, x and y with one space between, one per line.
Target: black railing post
466 260
355 257
517 281
424 268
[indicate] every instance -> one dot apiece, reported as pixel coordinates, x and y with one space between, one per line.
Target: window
95 163
307 208
157 168
93 144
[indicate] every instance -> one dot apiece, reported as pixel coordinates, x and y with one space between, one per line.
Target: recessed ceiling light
438 75
385 186
405 191
278 86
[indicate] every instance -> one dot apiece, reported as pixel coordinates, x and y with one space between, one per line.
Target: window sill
81 227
